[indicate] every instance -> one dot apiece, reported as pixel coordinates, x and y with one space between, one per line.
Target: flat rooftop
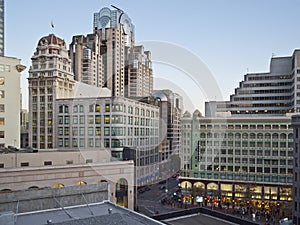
93 214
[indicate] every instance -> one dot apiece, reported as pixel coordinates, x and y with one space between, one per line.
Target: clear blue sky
229 36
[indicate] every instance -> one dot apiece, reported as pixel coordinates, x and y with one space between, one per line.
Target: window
81 108
81 131
91 119
82 121
2 134
75 108
60 142
91 131
107 107
75 119
97 119
91 142
2 121
68 162
91 108
2 108
67 131
98 131
81 142
106 131
2 94
60 109
2 79
60 120
60 131
97 143
75 131
97 108
75 142
47 163
23 164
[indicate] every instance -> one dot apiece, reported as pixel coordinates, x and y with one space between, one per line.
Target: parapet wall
47 198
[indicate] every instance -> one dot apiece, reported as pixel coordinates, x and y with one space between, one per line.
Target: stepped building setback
264 94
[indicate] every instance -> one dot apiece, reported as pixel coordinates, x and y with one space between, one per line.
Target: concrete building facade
55 169
10 69
112 123
244 158
50 78
170 113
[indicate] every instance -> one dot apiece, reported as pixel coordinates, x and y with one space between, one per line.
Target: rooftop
96 213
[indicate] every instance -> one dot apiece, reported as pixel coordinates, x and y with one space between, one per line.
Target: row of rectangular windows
242 126
108 131
113 119
47 163
109 108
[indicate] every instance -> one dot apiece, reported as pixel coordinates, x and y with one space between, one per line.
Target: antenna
116 8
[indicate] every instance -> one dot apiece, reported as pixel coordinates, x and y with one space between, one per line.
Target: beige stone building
50 77
68 168
10 69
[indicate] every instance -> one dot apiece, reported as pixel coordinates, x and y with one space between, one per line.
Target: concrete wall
11 100
47 198
69 175
57 158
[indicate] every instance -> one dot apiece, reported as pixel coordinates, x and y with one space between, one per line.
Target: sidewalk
260 220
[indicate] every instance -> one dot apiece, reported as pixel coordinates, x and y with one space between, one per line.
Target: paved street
149 202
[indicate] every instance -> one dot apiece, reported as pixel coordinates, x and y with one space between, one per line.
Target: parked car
147 188
141 190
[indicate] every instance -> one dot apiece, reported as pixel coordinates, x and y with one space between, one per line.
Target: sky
201 49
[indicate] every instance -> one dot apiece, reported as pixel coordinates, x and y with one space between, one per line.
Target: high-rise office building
50 77
1 27
276 92
170 112
108 57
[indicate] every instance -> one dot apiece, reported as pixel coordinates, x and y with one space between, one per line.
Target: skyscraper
109 58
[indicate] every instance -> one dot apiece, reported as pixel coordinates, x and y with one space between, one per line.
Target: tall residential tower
109 58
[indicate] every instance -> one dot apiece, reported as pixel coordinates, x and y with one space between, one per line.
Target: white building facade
10 69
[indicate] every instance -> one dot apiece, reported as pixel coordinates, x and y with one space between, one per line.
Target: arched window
122 192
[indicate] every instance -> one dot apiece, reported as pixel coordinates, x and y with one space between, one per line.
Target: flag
52 25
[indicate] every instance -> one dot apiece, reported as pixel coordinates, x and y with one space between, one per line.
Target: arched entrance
122 192
186 191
